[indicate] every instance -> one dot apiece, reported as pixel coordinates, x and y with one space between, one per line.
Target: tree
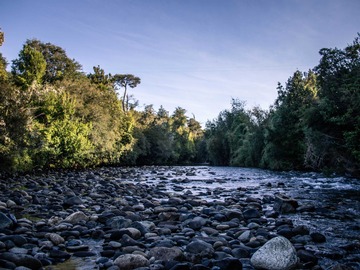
217 139
58 65
285 139
179 119
63 139
99 78
2 38
333 122
125 81
3 65
112 130
30 67
15 124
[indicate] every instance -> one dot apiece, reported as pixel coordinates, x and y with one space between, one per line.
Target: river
333 202
336 199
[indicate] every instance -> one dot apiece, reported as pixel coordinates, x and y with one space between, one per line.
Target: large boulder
131 261
276 254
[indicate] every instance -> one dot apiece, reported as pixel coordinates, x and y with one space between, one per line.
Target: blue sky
196 54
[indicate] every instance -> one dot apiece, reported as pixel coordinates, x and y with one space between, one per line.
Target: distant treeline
52 115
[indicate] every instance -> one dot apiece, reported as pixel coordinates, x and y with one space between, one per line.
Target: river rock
307 257
284 204
228 264
230 214
10 204
251 213
18 240
318 237
118 222
166 254
5 222
127 240
59 254
55 238
245 236
76 217
241 252
197 223
135 233
29 262
131 261
200 247
276 254
7 265
143 226
21 260
18 250
71 201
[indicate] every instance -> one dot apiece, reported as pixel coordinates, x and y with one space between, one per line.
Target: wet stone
251 213
166 254
318 237
5 222
278 253
131 261
59 254
200 247
284 204
71 201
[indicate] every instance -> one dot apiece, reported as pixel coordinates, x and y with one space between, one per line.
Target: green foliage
53 116
164 139
15 126
63 139
314 123
58 65
59 118
236 137
285 139
124 81
99 78
29 68
111 132
333 123
3 72
2 38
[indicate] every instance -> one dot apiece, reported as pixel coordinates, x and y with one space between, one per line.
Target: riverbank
169 218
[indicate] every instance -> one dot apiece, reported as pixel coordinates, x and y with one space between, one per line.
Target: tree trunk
123 100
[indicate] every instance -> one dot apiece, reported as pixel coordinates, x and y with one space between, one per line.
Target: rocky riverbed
178 218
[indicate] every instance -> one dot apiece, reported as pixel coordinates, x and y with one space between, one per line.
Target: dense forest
53 115
314 123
